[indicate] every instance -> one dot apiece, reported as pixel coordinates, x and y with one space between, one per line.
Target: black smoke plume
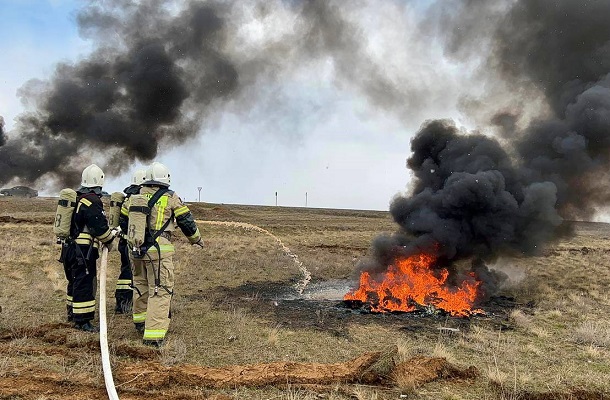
475 197
148 82
163 69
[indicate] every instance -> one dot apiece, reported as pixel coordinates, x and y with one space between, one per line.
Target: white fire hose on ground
112 394
108 380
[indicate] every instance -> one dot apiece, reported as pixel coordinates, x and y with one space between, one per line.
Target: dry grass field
235 304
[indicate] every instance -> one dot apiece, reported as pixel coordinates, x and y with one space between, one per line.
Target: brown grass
559 343
593 333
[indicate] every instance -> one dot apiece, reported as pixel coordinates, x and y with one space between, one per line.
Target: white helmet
93 176
157 174
139 176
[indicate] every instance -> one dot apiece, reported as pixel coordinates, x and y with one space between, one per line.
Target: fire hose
108 380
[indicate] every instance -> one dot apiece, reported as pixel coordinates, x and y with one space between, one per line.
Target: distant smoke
474 198
162 70
2 134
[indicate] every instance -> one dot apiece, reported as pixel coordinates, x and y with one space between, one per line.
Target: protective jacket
89 228
169 206
89 224
153 275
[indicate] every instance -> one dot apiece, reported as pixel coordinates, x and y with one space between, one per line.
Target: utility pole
305 199
199 188
276 198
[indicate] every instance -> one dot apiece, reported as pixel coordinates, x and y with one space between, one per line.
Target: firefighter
123 292
88 227
153 272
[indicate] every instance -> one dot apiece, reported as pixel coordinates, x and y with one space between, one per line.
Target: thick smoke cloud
470 200
561 47
475 197
468 197
571 66
163 70
148 82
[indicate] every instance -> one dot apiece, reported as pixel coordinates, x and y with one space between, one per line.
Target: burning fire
411 281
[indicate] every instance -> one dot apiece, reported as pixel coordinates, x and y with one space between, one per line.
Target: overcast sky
305 132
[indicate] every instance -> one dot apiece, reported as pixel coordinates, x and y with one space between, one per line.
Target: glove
116 232
199 243
109 245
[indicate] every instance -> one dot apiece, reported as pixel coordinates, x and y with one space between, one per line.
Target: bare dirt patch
153 379
7 219
154 375
420 370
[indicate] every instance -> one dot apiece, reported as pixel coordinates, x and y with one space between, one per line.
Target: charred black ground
277 301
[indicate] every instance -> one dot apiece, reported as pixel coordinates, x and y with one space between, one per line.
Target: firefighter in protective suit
89 228
153 273
123 293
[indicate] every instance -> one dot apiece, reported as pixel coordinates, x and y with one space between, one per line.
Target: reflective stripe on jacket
168 206
90 221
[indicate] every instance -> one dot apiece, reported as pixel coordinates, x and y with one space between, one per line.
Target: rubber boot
85 326
153 343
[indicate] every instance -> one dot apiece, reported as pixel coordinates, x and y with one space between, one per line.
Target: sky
304 134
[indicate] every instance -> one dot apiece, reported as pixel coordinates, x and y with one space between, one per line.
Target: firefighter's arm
96 220
186 222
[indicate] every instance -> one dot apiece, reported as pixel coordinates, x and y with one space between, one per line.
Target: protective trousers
123 292
152 305
81 275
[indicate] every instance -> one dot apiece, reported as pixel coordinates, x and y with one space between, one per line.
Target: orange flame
412 280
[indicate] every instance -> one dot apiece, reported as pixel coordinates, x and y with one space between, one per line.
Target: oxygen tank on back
63 216
136 226
114 212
